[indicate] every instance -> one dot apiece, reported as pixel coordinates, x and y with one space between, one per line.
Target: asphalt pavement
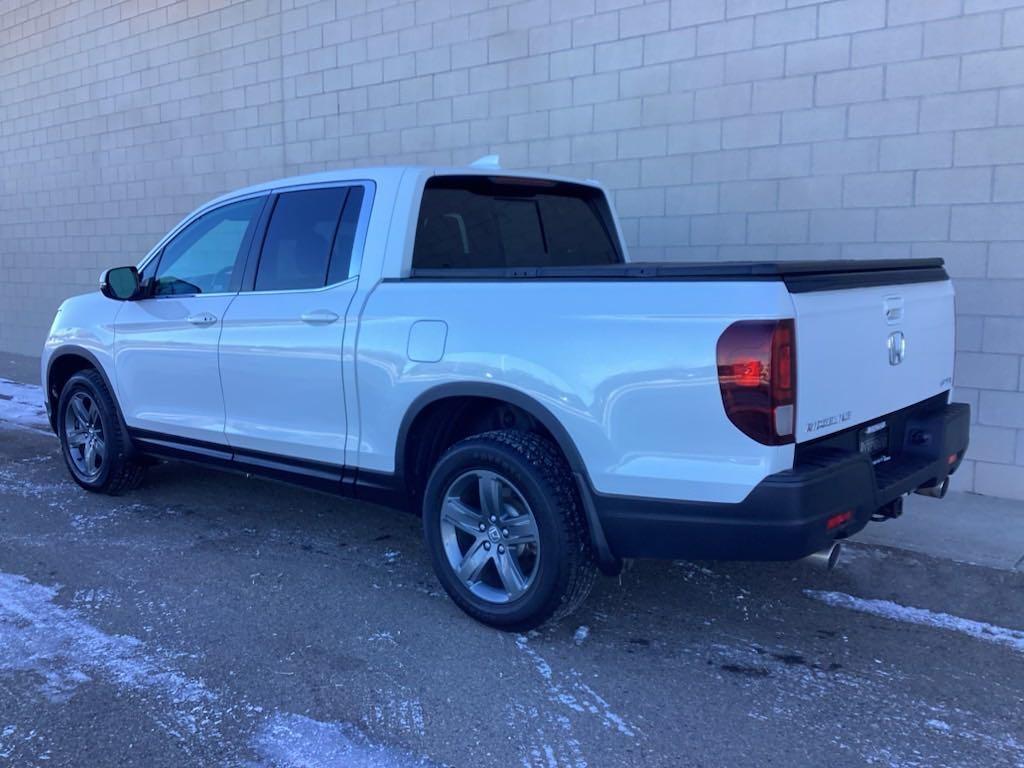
209 619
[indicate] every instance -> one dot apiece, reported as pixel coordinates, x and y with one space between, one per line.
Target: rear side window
493 221
309 239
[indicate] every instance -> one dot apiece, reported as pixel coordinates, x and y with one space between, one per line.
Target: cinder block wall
727 128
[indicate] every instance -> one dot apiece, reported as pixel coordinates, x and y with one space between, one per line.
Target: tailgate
865 351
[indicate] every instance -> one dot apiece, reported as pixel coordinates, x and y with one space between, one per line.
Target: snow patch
63 651
396 714
23 404
979 630
581 634
555 745
295 741
571 692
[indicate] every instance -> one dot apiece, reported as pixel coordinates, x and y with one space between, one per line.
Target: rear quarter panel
627 368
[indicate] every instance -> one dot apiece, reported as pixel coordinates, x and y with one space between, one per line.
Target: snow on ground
1012 638
554 744
564 690
294 741
22 404
63 651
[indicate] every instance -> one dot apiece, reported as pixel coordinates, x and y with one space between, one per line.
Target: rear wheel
505 531
92 440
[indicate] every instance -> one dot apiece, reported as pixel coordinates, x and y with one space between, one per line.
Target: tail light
757 376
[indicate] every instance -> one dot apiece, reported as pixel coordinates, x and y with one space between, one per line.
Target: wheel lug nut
501 549
504 531
487 545
494 519
483 527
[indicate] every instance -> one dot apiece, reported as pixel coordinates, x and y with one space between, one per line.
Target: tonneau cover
799 276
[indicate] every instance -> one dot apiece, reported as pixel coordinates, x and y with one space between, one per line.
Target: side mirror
120 283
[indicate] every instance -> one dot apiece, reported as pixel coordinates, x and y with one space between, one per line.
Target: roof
384 173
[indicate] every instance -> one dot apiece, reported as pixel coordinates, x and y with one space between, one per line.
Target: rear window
490 221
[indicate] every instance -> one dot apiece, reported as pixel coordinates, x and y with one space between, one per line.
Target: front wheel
506 534
92 440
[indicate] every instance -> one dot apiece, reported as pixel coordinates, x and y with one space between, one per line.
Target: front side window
206 254
496 221
309 239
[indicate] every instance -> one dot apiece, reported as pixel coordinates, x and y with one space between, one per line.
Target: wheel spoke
474 561
521 530
490 495
100 447
487 507
80 411
76 438
94 415
90 458
462 516
510 573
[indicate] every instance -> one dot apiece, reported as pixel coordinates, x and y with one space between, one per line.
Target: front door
281 346
165 346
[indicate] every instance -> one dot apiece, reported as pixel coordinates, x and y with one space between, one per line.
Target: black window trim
358 242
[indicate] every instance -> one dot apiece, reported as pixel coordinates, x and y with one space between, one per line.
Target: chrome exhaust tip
936 491
826 558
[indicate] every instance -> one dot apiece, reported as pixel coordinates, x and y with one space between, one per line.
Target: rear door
281 346
864 352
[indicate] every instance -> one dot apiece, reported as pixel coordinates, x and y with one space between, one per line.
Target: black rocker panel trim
377 487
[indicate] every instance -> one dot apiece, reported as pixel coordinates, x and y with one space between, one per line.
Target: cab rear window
498 221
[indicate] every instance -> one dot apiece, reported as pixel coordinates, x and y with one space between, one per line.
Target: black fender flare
607 561
73 350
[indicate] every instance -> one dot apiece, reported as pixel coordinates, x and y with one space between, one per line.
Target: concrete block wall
726 128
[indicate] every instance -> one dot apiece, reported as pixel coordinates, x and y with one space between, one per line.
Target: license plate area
873 440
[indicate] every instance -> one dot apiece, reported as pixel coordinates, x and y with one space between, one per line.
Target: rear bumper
787 516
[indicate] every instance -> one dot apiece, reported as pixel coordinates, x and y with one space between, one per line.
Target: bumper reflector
837 520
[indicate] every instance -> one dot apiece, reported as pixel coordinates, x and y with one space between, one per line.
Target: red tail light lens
757 376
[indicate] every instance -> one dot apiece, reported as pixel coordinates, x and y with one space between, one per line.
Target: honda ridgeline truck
475 345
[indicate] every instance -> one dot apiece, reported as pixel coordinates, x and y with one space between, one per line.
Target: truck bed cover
799 276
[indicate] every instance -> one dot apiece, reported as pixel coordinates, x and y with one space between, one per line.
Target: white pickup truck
476 345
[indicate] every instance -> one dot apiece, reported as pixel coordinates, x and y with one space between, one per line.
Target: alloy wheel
83 430
490 536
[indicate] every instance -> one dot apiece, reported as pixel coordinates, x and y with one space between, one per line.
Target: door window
341 255
309 239
206 254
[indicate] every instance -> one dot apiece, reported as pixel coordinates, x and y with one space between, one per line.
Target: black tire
564 568
118 472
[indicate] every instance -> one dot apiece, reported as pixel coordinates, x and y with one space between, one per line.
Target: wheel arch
463 394
494 392
64 363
